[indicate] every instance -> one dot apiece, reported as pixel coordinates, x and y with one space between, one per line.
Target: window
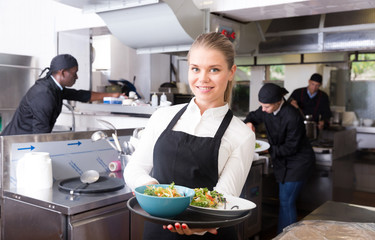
362 67
241 91
277 73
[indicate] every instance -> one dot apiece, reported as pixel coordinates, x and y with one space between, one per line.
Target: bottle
163 98
154 100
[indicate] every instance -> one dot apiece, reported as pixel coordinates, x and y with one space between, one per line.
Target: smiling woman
211 71
199 144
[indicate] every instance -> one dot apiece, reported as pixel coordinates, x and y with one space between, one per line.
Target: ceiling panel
240 10
304 8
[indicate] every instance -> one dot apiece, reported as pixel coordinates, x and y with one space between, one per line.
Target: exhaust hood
170 26
156 27
332 32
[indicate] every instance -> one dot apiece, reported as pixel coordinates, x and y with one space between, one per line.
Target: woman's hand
294 103
183 229
251 126
321 125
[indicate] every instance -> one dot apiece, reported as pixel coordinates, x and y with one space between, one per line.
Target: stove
333 144
323 149
102 185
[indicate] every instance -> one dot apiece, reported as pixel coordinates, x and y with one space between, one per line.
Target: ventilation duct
333 32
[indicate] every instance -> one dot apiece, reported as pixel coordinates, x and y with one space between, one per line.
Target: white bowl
368 122
165 103
127 102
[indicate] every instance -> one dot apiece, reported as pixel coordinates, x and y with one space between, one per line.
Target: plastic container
34 171
163 98
154 100
112 100
115 166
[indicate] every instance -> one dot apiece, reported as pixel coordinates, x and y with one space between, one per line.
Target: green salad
205 198
169 191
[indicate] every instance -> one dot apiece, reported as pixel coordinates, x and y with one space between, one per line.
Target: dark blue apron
189 161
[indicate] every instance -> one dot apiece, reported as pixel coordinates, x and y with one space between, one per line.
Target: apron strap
222 128
176 118
317 105
224 125
302 95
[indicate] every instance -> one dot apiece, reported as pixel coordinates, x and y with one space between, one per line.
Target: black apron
189 161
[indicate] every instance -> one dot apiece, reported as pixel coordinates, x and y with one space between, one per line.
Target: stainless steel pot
310 126
337 117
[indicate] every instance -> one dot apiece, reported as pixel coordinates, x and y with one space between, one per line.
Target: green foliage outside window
277 72
362 67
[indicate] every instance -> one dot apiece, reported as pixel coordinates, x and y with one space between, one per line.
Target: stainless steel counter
56 214
340 211
115 108
61 201
365 136
334 220
362 129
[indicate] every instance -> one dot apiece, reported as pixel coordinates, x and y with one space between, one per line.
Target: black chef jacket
318 105
40 107
291 153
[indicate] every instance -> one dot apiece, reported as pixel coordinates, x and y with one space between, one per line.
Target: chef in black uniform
291 153
40 107
313 101
199 144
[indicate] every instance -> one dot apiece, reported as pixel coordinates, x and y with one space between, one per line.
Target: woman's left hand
183 229
251 126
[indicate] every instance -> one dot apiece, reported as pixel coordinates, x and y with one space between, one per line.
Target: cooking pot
337 117
310 126
34 171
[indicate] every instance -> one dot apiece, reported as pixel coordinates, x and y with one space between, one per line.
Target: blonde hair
219 42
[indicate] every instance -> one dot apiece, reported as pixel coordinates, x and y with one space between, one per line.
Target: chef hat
316 77
271 93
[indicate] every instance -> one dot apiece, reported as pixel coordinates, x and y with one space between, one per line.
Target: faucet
73 117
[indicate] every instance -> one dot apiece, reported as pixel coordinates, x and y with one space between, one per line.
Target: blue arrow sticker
28 148
77 143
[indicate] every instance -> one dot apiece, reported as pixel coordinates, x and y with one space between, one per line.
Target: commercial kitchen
143 44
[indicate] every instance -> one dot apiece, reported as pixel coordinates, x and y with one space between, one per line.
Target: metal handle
106 123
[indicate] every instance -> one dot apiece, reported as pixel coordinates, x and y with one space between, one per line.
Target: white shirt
235 153
58 84
278 110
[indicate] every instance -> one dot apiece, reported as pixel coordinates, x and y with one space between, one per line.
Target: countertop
334 220
362 129
340 211
61 201
145 110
